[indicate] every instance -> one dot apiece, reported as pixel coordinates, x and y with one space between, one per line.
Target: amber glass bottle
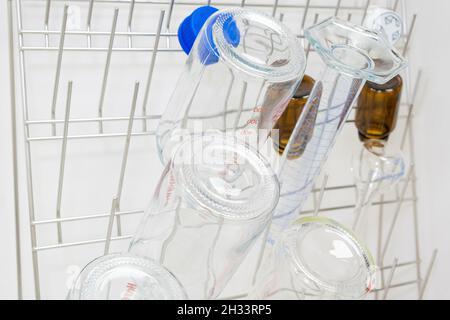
378 105
287 121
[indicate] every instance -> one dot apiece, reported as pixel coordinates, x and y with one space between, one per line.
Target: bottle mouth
331 257
126 277
355 50
226 177
263 43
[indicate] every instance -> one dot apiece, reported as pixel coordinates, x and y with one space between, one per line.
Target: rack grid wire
67 29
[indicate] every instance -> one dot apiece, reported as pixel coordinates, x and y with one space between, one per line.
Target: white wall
430 52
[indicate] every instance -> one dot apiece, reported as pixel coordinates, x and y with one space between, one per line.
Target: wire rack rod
103 135
133 212
221 4
78 243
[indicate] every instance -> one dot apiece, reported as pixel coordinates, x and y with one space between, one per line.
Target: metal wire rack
46 38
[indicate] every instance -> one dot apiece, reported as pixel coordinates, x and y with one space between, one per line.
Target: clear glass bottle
213 200
237 57
317 258
377 109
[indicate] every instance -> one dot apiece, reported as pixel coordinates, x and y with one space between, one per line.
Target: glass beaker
212 202
228 85
317 258
351 55
125 277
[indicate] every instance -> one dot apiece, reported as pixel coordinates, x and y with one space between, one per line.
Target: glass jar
212 202
125 277
317 258
237 57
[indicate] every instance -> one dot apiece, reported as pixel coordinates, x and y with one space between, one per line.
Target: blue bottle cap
191 26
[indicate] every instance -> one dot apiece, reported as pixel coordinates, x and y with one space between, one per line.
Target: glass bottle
237 57
377 109
214 199
286 123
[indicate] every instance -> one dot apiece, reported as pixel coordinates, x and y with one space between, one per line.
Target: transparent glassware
212 202
241 72
377 109
351 55
377 168
125 277
317 258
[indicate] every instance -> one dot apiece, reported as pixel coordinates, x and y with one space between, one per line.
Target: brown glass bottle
378 105
287 121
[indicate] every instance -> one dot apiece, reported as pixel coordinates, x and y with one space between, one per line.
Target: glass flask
351 55
125 277
212 202
238 56
286 123
317 258
377 168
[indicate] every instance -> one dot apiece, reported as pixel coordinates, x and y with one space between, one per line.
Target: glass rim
366 73
365 255
229 209
292 70
84 286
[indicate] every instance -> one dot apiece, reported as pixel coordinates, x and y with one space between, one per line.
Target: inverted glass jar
317 258
125 277
237 59
213 200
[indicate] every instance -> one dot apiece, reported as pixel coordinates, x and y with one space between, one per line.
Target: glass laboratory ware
317 258
125 277
214 199
378 104
351 55
236 58
286 123
377 109
377 168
